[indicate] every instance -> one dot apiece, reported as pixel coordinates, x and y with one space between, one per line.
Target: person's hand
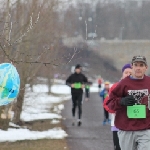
128 100
72 85
83 86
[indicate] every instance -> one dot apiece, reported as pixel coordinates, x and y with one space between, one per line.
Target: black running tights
87 93
77 101
116 141
106 114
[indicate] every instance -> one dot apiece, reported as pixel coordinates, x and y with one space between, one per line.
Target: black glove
128 100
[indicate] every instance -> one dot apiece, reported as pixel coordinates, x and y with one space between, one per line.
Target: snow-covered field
37 105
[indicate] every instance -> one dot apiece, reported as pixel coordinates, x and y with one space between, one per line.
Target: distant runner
77 82
87 91
104 94
99 83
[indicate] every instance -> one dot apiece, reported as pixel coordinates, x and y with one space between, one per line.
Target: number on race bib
136 111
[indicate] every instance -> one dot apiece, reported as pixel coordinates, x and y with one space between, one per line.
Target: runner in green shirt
87 91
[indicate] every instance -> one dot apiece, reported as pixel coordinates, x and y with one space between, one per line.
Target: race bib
87 87
136 111
77 85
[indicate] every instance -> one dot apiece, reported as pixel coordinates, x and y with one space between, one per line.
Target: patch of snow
13 135
54 121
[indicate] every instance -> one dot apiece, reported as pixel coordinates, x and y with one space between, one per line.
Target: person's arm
101 94
107 98
115 96
119 99
69 81
85 81
106 106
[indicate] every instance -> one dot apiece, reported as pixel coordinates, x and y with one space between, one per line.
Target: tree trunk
5 116
18 106
4 120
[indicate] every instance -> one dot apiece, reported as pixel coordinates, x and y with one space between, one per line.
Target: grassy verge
44 144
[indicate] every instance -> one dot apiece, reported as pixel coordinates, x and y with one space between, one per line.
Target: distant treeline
109 20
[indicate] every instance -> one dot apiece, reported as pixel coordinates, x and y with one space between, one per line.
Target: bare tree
31 42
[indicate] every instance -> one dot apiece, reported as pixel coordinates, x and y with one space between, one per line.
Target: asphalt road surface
92 135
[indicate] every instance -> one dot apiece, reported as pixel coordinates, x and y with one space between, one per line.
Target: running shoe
108 121
104 122
79 123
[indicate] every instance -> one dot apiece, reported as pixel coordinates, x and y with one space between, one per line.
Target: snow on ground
31 117
55 81
38 105
61 89
94 89
57 89
13 135
54 121
39 102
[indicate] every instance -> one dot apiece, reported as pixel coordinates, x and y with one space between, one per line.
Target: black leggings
116 141
77 101
87 93
106 114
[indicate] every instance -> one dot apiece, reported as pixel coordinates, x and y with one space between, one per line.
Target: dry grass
35 145
41 125
44 144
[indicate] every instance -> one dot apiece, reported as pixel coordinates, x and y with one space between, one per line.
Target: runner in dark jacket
77 82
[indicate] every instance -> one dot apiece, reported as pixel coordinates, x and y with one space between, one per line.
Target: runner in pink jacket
126 71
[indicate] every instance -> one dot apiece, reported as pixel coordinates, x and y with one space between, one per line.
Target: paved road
92 135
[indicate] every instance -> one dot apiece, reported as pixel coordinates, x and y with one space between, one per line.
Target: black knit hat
78 66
